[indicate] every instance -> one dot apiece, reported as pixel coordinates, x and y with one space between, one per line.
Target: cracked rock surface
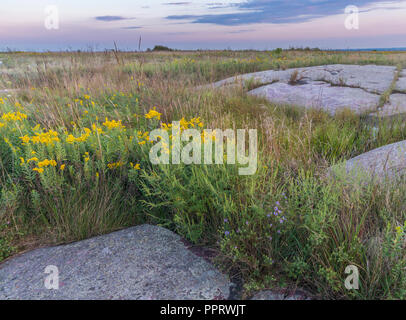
143 262
396 105
331 87
401 83
318 94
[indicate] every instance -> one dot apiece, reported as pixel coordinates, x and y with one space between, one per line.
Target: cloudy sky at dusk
201 24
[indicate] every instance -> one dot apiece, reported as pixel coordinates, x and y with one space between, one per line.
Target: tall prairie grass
74 164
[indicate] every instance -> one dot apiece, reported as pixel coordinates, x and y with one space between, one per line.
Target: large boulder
143 262
320 95
381 164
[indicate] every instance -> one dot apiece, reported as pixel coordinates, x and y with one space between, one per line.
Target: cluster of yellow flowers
46 163
153 114
29 160
184 124
41 136
47 138
192 123
96 129
13 116
86 156
113 124
41 164
166 126
143 138
82 138
115 165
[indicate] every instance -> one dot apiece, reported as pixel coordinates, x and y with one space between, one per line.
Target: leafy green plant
6 249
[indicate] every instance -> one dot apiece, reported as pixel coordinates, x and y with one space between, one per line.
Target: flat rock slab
374 79
387 162
401 83
395 106
319 95
143 262
330 87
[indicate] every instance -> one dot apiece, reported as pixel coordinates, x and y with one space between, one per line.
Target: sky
200 24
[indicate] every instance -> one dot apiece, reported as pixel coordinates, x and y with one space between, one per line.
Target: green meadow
74 163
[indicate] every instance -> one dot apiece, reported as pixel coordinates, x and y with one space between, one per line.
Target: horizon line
201 49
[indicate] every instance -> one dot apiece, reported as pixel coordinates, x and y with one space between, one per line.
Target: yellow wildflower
115 165
153 114
25 139
113 124
39 170
13 116
136 167
32 159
